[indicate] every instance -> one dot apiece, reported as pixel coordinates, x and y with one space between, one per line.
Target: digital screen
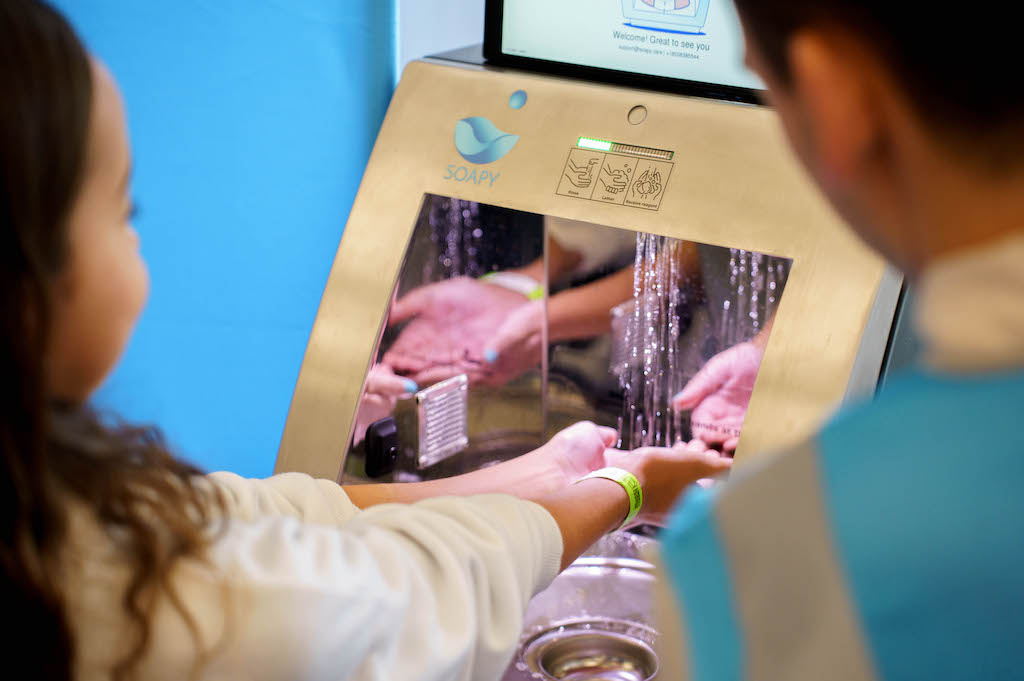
694 40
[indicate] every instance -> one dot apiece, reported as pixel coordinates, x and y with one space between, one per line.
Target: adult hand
517 345
665 473
449 323
719 395
383 388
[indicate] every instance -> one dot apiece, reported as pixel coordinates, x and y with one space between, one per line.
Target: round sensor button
637 115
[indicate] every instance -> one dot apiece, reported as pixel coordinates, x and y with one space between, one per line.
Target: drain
593 650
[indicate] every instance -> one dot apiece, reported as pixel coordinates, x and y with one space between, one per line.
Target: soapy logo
479 141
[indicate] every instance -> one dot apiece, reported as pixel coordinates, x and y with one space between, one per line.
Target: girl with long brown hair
119 561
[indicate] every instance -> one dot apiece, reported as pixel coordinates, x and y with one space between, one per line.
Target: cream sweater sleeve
304 587
285 494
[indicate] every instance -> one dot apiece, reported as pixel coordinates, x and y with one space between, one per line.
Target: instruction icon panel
614 178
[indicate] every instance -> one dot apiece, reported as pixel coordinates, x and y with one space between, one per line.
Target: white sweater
306 587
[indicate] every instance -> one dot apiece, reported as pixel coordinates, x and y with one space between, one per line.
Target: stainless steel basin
593 623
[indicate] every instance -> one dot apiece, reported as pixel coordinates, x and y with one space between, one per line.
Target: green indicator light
591 143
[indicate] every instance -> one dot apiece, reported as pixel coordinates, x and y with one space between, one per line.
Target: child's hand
665 473
580 449
383 389
516 346
720 393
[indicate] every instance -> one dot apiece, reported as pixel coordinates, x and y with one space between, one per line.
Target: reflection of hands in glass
383 388
576 313
517 345
449 324
720 393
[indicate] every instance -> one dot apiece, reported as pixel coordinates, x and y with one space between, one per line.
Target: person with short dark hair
891 545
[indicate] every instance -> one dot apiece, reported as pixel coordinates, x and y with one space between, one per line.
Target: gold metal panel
734 184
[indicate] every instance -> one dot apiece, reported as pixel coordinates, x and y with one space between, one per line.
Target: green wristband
629 483
513 281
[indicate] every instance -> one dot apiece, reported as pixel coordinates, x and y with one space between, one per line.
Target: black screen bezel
493 25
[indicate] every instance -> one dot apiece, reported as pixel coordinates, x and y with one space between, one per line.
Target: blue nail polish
411 387
491 356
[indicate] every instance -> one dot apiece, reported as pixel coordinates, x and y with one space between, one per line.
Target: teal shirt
889 547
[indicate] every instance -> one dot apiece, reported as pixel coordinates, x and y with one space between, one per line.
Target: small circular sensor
637 115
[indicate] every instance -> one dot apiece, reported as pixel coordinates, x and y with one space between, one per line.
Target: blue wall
252 121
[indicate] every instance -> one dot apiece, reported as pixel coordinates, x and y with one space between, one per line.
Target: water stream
689 303
456 233
649 376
